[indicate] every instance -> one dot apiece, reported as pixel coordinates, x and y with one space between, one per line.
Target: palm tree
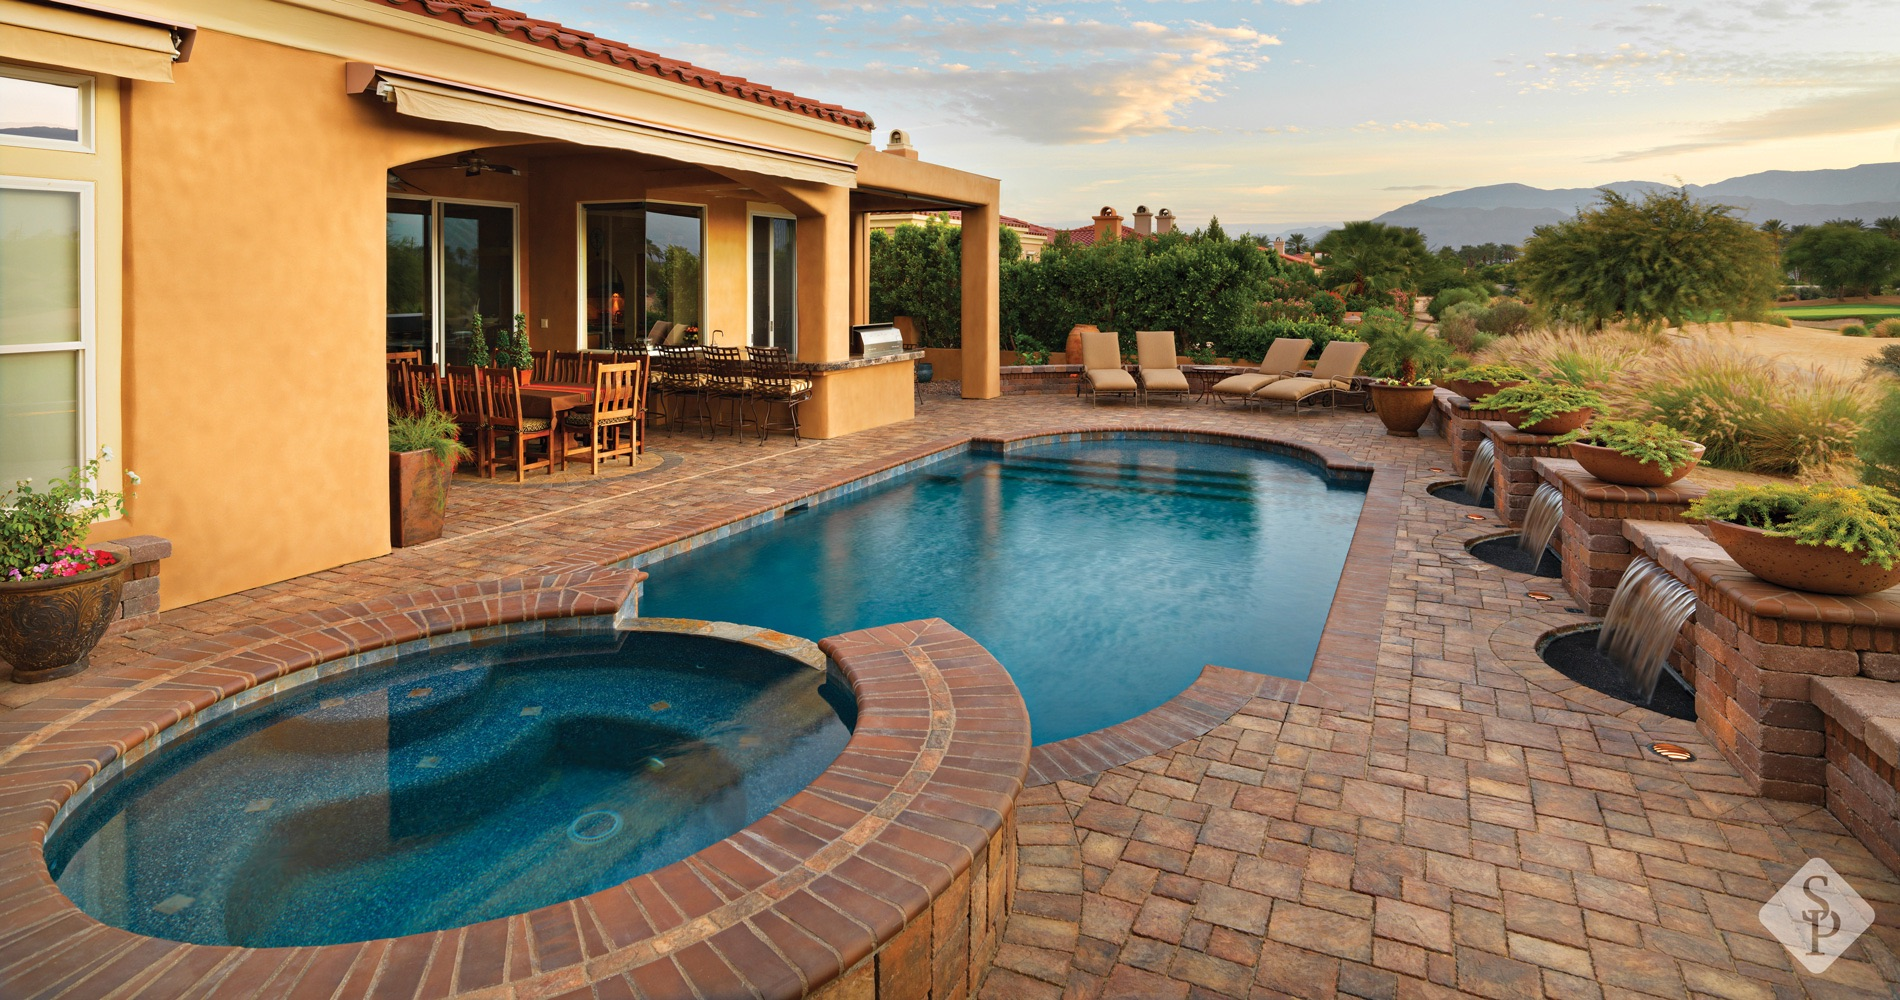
1296 243
1888 226
1777 229
1373 256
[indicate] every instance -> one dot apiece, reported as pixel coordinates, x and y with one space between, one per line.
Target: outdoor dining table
551 400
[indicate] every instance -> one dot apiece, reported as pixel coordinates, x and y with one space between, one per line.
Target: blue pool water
454 786
1103 575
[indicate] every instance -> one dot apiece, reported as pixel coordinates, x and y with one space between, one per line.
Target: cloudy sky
1298 111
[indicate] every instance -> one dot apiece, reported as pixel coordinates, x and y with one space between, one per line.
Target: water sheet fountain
1628 656
1525 552
1477 482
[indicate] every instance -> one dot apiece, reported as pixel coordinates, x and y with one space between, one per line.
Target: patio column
981 303
860 268
825 274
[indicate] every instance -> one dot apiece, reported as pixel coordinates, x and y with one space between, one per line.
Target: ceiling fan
473 165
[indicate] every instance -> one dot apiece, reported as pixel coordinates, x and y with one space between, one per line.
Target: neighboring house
219 214
1032 236
1279 247
1035 237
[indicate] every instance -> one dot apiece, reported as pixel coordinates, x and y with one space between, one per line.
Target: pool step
1144 484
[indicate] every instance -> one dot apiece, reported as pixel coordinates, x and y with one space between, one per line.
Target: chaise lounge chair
1283 359
1330 378
1102 372
1160 373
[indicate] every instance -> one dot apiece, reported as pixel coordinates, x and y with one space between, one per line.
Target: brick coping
1343 666
1562 472
1864 708
1695 559
926 782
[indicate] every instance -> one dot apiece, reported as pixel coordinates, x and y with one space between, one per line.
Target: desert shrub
1285 309
1506 318
1600 359
1879 445
1775 319
1887 362
1886 328
1453 296
1462 333
1753 414
1853 330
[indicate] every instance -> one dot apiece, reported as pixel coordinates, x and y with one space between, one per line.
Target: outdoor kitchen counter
825 367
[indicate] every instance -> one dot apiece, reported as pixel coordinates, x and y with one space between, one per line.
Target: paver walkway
1475 834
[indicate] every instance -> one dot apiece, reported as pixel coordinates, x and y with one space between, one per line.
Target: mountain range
1506 213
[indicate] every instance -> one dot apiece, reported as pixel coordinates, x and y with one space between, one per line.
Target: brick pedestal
1760 649
138 600
1463 430
1590 538
1515 478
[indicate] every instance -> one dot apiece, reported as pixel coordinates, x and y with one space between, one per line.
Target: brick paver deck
1479 829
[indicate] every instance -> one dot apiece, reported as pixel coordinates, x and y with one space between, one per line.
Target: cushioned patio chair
1160 373
1283 359
501 409
1102 372
1330 379
613 425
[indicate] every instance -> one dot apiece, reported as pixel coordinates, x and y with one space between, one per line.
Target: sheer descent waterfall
1541 520
1478 476
1646 613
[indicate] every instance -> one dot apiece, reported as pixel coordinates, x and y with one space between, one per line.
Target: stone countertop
1695 559
826 367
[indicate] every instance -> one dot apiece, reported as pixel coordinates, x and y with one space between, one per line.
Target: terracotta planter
1613 466
1402 408
418 496
1475 391
1562 423
48 627
1817 569
1073 349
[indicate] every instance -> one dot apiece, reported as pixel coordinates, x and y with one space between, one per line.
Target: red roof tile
1007 220
560 38
1083 236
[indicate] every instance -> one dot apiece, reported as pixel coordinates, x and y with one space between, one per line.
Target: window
445 262
46 327
47 110
643 265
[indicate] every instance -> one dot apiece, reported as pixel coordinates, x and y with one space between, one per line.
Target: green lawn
1871 311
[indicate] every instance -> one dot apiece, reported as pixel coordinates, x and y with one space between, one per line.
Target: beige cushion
1155 349
1164 380
1244 385
1299 388
1285 355
1340 359
1111 380
530 425
1100 351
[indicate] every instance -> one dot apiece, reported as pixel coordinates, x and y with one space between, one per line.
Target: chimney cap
1107 210
1141 210
1167 212
900 139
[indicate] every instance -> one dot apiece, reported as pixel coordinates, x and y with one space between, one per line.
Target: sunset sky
1278 112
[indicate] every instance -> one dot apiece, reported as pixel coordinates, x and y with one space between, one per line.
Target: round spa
448 786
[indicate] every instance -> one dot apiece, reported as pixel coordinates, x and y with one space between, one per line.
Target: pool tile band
909 831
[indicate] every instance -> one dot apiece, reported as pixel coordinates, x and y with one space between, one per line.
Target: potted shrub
1477 381
56 595
513 351
423 450
1404 360
1823 539
1632 453
1544 407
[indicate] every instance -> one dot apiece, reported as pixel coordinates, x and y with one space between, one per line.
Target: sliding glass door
774 282
447 261
643 265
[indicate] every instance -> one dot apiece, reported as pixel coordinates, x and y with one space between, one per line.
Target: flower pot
926 371
1562 423
48 627
1475 391
1073 348
418 496
1402 408
1613 466
1817 569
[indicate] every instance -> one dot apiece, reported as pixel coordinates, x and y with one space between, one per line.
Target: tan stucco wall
857 399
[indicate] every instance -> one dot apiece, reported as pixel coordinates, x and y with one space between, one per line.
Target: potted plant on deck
1405 361
1632 453
1822 539
1477 381
1544 407
56 595
423 450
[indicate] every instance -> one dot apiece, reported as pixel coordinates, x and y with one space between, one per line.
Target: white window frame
88 309
84 84
751 289
438 324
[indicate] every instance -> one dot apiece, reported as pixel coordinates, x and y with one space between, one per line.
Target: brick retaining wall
138 599
1515 478
1590 538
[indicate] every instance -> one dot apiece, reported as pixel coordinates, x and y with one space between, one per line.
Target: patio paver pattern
1475 830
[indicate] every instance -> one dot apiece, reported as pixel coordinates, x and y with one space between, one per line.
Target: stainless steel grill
876 340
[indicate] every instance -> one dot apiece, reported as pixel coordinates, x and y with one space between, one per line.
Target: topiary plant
1653 443
478 345
1540 401
1863 519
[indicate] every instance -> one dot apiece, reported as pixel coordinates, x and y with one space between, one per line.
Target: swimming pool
1102 574
449 786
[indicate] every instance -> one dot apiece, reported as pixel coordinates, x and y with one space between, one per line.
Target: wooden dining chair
501 410
459 394
615 424
413 356
419 388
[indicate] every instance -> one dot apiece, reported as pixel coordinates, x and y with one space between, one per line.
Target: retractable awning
447 101
94 39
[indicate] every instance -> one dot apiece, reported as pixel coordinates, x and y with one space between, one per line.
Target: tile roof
1011 221
560 38
1083 236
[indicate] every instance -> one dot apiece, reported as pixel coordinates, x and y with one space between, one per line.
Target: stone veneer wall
138 599
1760 648
1515 479
1463 429
1590 538
1862 718
887 878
